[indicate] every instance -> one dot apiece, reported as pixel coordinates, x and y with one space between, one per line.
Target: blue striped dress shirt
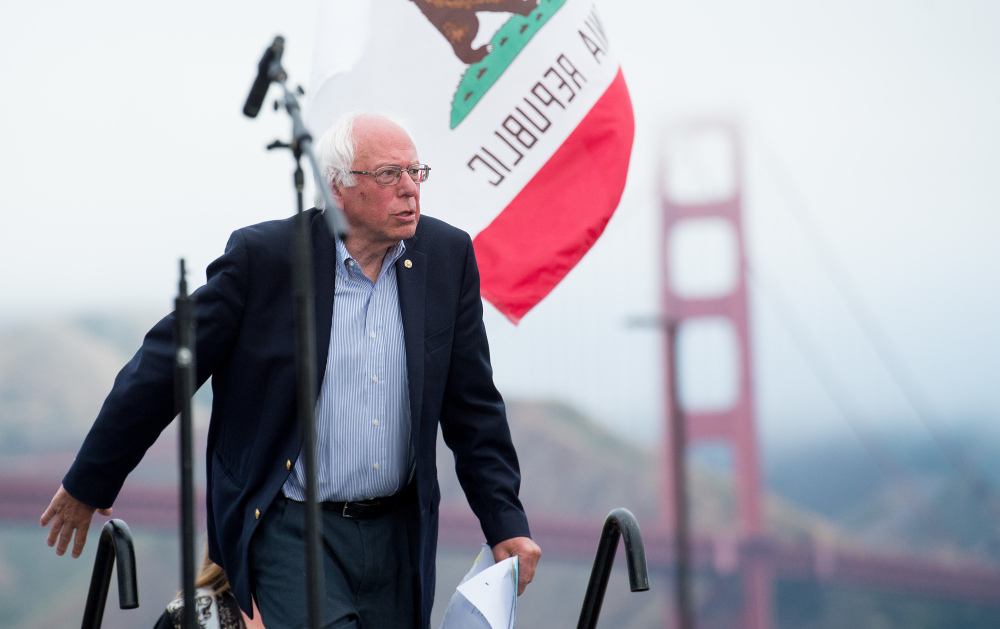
363 411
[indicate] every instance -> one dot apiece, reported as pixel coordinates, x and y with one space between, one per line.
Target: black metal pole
184 386
114 547
305 337
620 523
678 460
270 70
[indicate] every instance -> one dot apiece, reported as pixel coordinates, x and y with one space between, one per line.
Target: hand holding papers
494 593
487 596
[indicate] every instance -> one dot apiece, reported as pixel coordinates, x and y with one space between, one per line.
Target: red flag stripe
549 226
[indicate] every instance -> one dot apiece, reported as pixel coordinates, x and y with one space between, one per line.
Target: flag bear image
457 21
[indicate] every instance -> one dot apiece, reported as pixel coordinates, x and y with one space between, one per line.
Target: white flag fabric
517 105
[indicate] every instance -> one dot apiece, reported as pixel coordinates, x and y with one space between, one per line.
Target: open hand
68 516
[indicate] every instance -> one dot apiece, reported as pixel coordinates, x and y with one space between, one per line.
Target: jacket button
256 513
288 464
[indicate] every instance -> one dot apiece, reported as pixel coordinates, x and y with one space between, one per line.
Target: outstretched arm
527 552
68 516
141 403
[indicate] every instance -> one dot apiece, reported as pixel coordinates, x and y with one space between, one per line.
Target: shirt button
373 334
375 422
350 263
374 378
376 466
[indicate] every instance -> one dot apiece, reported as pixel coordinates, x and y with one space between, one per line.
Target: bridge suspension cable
838 394
874 333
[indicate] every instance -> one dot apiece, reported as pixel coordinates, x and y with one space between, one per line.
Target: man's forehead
383 152
375 131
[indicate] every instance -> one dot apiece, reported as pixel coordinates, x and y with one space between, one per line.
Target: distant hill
574 467
930 505
51 379
54 376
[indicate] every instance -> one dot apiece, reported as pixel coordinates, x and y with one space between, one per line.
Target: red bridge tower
702 199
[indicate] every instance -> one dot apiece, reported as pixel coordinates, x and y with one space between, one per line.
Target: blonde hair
210 576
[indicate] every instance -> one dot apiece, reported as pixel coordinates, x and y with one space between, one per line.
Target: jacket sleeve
141 402
474 421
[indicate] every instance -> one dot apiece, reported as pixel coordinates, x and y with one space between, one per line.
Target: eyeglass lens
389 175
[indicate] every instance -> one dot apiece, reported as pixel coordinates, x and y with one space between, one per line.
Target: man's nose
406 184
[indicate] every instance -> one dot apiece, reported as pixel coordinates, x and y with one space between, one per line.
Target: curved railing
620 523
115 547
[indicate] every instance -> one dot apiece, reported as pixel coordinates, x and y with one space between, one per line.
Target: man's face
380 216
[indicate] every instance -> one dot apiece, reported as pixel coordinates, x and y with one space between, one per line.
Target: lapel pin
407 263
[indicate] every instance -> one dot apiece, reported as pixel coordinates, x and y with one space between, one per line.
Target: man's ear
337 197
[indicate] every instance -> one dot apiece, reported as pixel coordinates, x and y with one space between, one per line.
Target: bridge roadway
24 498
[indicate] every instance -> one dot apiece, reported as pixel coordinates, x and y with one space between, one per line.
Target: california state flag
518 106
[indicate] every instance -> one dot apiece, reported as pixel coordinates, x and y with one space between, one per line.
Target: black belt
372 508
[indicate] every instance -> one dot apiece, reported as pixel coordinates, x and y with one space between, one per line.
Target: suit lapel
323 279
411 281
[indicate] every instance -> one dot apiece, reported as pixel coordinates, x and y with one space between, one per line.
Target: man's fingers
81 539
105 512
525 576
53 531
48 515
527 552
64 538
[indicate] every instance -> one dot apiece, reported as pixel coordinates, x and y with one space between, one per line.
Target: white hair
335 151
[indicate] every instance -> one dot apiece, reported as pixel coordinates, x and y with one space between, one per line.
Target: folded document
487 596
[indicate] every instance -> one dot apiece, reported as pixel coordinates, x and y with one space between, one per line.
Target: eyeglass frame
399 173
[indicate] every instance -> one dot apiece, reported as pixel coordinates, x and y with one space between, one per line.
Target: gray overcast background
124 148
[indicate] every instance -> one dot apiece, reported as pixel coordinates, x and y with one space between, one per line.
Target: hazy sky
124 148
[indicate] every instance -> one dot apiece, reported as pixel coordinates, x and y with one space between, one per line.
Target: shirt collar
344 258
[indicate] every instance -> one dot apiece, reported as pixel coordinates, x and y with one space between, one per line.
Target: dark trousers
369 568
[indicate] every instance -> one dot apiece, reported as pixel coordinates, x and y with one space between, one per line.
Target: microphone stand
184 387
270 70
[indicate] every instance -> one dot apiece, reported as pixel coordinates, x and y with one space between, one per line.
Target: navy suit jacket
245 341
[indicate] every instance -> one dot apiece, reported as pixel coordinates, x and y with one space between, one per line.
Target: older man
401 348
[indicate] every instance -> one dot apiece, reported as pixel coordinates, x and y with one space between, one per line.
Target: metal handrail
620 523
114 547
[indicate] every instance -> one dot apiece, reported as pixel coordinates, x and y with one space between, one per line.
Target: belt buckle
343 512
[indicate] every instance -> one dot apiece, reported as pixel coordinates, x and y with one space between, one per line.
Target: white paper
494 593
487 596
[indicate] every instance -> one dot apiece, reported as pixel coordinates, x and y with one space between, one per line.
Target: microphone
259 90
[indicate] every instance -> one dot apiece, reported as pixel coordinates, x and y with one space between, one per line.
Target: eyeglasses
390 175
